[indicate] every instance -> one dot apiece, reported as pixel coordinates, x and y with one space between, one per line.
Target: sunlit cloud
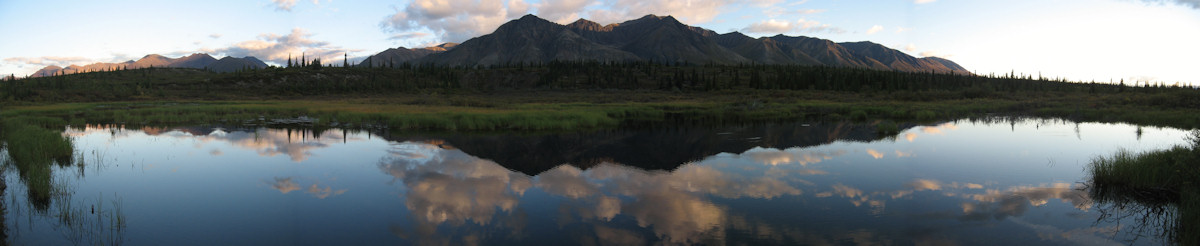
61 61
408 35
931 53
689 12
452 20
903 154
561 12
284 5
774 12
910 48
874 29
923 1
773 26
271 47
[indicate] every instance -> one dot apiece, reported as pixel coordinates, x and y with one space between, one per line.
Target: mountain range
661 39
198 61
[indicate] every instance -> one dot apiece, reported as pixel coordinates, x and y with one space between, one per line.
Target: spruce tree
345 60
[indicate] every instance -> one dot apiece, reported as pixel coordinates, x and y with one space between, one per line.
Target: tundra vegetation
572 96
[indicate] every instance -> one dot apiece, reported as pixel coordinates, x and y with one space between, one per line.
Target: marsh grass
33 148
1157 189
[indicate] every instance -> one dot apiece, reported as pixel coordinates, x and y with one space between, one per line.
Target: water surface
982 182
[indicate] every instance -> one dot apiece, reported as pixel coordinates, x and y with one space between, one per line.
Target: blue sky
1102 40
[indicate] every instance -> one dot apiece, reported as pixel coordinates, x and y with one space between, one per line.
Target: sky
1081 40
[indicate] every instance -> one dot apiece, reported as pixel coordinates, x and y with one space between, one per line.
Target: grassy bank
1159 188
580 95
579 110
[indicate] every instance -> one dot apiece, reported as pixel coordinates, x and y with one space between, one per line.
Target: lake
991 181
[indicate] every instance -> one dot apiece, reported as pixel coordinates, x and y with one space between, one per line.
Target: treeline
305 79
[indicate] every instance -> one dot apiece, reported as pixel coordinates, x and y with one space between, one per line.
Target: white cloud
923 1
690 12
284 5
1195 4
779 11
562 12
874 29
773 26
902 29
276 48
47 61
517 7
408 35
770 26
910 48
452 20
931 53
215 35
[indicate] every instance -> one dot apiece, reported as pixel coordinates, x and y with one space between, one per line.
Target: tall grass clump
1159 189
31 140
33 147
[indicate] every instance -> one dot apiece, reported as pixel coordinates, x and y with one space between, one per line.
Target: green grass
1161 185
33 144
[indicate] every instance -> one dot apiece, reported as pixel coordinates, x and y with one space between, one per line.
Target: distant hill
197 61
660 39
401 55
230 64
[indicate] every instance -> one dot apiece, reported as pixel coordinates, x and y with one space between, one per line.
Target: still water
966 182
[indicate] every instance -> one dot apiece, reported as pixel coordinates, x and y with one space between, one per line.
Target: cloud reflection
1014 202
801 156
287 185
298 145
452 187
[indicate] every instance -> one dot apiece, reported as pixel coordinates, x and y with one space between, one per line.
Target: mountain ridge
663 39
195 60
651 38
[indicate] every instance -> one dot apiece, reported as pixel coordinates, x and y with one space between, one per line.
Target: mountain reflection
297 145
451 187
811 184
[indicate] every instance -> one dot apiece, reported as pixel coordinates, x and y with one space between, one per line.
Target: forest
609 93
